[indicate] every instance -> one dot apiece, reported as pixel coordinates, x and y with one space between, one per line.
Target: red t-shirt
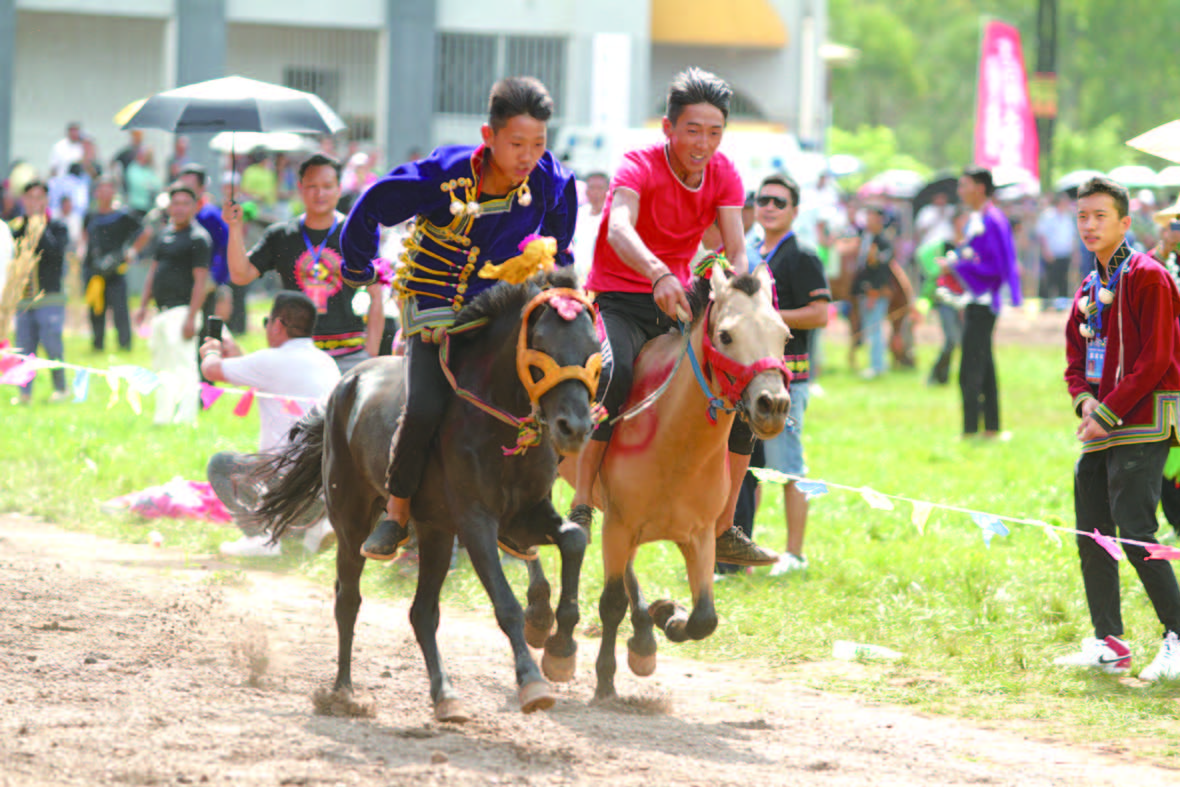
672 217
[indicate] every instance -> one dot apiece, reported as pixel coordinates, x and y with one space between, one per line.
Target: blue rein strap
715 402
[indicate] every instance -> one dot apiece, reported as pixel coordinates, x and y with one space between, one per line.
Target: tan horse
665 474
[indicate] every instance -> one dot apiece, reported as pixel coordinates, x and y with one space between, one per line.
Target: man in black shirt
306 253
108 233
176 279
803 296
41 311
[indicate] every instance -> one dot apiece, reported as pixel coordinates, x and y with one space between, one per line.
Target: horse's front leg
479 534
561 650
676 623
434 560
641 648
538 614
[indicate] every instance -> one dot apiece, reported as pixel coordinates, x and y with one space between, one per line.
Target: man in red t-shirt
661 201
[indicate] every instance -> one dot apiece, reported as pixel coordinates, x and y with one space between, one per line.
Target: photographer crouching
290 368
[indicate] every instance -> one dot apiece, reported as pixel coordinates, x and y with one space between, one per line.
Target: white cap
1146 197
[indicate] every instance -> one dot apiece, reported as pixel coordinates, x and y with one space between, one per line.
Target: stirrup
510 547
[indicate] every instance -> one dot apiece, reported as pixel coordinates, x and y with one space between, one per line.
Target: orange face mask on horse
569 304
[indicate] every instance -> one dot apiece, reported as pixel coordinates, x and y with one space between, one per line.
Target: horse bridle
551 374
734 377
528 428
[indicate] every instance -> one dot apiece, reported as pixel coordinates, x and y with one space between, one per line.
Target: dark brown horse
516 351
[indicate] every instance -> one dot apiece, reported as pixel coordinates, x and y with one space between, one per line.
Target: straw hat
1168 214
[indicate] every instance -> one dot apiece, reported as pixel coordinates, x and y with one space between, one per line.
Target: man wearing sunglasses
803 296
293 374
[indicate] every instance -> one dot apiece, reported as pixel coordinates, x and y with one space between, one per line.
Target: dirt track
123 664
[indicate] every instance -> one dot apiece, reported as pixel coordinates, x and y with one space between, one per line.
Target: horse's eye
725 338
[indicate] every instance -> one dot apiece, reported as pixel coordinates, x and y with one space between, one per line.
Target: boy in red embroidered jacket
1121 345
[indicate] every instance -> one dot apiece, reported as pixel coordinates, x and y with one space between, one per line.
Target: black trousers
427 395
1055 278
632 319
1116 492
115 296
977 371
1170 503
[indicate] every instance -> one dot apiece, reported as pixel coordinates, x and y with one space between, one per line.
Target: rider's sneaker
383 542
512 548
582 515
1108 655
1166 665
734 546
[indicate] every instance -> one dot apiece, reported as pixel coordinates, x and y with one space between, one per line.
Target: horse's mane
702 291
512 298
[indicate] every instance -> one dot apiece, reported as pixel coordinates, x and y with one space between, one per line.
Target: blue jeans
872 326
42 327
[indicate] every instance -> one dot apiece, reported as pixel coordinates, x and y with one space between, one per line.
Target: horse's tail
293 479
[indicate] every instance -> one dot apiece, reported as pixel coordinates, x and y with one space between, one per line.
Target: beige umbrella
1162 141
124 114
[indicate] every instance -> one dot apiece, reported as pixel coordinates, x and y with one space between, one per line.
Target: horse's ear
720 282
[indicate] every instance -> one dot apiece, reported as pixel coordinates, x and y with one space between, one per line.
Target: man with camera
291 370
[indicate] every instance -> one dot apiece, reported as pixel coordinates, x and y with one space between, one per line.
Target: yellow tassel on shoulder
537 253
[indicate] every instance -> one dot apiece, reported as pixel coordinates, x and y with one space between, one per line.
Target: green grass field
978 625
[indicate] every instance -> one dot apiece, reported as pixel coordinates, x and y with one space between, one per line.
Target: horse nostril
773 405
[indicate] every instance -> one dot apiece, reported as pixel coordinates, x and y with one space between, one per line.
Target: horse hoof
535 635
662 611
559 669
535 696
643 666
451 711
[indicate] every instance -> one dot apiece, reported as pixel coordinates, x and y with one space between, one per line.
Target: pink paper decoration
291 407
1107 543
243 406
209 395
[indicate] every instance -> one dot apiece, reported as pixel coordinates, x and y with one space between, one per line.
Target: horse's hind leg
434 560
612 606
479 534
538 615
641 648
348 520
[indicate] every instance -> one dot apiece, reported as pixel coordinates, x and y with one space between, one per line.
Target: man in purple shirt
985 265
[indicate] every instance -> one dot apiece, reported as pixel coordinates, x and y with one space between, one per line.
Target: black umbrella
235 104
940 184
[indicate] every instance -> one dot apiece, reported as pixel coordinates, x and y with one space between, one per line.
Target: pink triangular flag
243 406
291 407
210 394
9 361
1108 543
20 374
1162 552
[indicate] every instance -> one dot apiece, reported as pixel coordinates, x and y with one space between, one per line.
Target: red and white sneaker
1109 655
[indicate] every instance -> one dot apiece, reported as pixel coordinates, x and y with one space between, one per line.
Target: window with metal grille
542 57
468 64
464 73
322 82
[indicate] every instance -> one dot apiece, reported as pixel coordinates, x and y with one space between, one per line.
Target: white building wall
85 68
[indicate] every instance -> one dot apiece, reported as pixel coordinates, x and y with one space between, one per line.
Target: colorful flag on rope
920 515
81 385
991 525
1107 543
209 395
875 499
243 406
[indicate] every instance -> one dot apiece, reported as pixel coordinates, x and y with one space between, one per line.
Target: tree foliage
917 73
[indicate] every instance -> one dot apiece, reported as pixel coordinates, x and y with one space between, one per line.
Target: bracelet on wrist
660 278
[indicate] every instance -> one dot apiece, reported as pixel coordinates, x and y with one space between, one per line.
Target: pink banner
1005 133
